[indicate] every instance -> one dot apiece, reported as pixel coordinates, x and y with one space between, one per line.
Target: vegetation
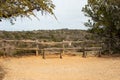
47 35
104 22
10 9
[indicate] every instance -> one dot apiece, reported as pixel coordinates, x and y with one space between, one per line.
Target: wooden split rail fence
82 46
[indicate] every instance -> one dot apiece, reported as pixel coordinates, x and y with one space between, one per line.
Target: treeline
47 35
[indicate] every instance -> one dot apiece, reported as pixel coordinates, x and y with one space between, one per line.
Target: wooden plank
50 43
93 48
26 49
27 41
74 48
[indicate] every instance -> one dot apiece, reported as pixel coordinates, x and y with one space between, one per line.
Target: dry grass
68 68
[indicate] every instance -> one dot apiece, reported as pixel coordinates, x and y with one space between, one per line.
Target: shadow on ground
2 73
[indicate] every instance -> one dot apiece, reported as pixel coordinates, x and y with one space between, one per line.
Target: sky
68 13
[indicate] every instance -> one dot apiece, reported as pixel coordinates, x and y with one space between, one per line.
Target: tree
10 9
105 21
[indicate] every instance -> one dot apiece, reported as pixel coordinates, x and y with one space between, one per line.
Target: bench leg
84 54
43 54
99 54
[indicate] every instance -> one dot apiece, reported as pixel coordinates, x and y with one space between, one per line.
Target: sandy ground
68 68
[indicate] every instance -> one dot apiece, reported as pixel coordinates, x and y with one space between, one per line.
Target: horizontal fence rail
7 46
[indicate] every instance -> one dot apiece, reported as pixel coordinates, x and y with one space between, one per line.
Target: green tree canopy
105 16
103 12
10 9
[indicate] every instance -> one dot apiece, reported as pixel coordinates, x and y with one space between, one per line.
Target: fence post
61 54
99 54
4 48
84 53
63 48
37 47
43 51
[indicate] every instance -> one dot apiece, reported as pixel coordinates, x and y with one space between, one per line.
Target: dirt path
68 68
2 72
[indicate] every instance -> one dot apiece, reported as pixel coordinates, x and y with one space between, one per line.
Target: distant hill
47 35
